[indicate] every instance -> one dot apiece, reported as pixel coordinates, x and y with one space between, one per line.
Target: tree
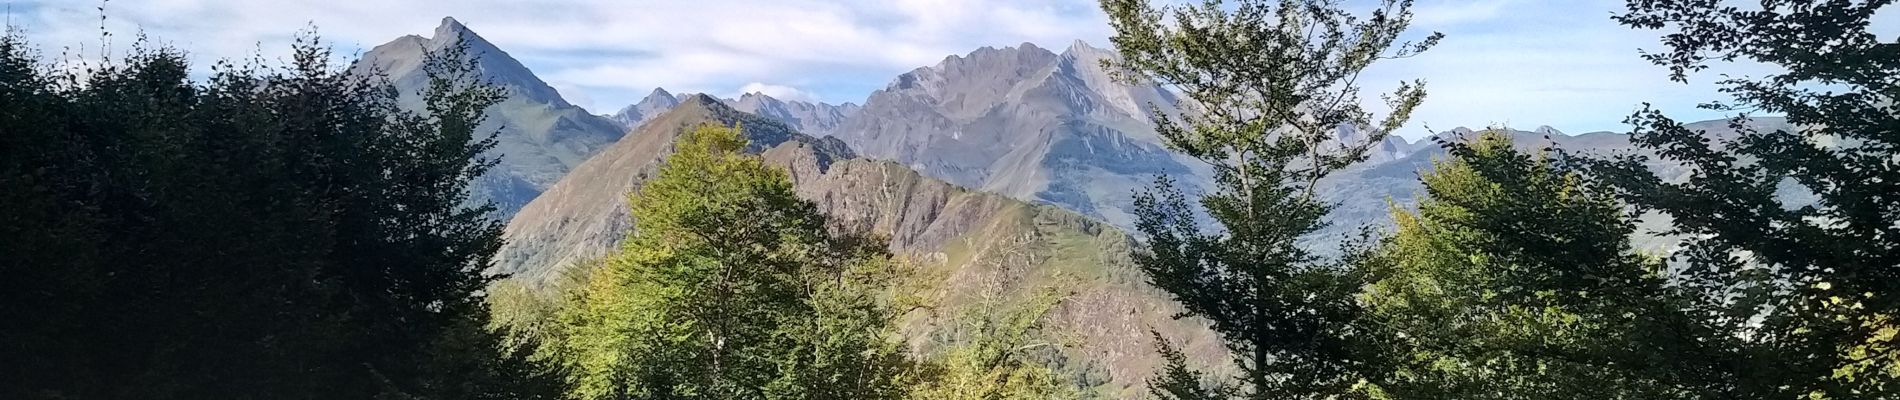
1515 279
1267 86
991 356
266 233
1177 381
1807 291
730 286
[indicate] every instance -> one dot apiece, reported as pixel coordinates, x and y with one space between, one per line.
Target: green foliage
1515 280
1806 293
1179 382
1270 84
730 286
266 233
992 357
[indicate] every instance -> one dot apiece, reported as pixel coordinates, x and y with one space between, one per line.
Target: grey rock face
1025 122
540 136
815 119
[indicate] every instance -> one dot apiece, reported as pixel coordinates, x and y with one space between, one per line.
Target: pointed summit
450 31
654 104
402 60
1082 46
539 135
660 96
450 27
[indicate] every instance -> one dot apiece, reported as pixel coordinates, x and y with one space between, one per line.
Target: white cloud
615 50
1530 62
780 92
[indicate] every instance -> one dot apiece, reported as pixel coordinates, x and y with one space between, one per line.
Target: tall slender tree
1268 85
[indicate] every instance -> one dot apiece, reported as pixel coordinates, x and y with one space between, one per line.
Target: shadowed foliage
268 232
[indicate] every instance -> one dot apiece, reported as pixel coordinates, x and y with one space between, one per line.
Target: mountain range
812 118
1000 171
976 249
1021 121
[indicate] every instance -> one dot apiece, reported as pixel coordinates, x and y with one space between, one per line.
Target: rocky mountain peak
759 103
1024 122
985 53
1027 46
985 60
660 96
1080 48
810 118
963 87
1025 53
402 60
650 106
700 100
539 135
453 28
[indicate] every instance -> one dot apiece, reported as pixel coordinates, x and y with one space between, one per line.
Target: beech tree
732 287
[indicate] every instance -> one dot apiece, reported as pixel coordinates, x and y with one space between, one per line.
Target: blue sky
1523 63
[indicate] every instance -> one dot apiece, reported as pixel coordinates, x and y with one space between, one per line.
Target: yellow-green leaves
1513 280
730 286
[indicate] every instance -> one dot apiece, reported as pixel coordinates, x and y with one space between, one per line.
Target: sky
1521 63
